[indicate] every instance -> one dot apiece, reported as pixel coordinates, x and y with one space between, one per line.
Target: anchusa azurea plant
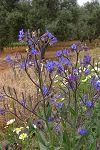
66 113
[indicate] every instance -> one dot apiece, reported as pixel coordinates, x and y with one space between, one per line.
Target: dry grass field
20 81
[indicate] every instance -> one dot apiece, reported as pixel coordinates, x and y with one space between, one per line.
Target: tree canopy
65 18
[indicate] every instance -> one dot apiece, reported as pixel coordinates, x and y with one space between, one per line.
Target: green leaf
0 147
31 127
49 110
42 147
73 112
66 141
92 146
42 138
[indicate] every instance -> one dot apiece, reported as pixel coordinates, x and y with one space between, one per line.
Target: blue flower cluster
86 60
82 131
21 34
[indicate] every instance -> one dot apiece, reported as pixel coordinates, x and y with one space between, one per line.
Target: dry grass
18 80
22 84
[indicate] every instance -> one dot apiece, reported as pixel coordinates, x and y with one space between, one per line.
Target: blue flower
53 41
97 85
65 61
55 63
87 72
29 42
34 51
22 66
65 51
74 47
87 60
8 58
59 68
75 71
23 102
50 35
21 33
89 104
51 119
57 128
1 98
84 47
45 90
59 53
49 66
81 62
73 77
82 131
2 111
59 105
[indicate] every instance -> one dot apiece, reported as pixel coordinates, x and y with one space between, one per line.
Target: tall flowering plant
68 99
37 42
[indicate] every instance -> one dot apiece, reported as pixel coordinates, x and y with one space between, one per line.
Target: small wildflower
84 47
59 53
87 72
27 127
49 66
22 65
82 131
34 51
57 129
29 42
81 62
59 105
10 122
54 40
73 77
23 102
50 35
65 61
34 126
23 136
65 51
97 85
75 71
50 119
45 90
2 111
18 130
55 63
8 58
1 98
39 124
89 104
73 46
59 68
87 60
21 34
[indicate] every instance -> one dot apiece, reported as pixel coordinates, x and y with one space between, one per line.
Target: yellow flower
23 136
10 122
17 130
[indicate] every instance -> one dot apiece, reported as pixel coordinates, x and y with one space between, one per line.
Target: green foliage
65 19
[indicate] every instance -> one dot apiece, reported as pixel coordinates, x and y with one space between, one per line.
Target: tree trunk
1 48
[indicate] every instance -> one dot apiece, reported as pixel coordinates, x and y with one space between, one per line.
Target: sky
81 2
